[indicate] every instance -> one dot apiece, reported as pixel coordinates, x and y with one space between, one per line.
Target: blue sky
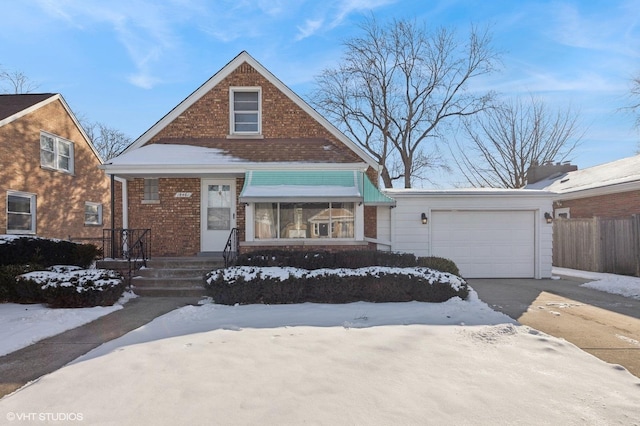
127 63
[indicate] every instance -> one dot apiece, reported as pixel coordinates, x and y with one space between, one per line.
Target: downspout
125 203
113 216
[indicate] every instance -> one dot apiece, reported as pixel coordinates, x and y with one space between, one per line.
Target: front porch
168 276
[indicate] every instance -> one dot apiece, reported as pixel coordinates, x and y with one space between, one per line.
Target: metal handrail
117 242
230 252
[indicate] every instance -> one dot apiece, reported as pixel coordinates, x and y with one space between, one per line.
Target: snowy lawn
457 362
23 325
610 283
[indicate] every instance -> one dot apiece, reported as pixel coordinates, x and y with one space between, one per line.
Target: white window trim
59 140
99 206
232 124
32 200
358 225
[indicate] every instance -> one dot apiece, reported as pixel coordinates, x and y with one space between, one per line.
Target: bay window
303 220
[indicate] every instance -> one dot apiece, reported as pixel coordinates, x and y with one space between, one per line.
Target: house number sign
183 195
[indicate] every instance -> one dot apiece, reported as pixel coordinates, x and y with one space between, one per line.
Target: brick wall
60 197
281 117
607 206
175 222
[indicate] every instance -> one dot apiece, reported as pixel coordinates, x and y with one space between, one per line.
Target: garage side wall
515 221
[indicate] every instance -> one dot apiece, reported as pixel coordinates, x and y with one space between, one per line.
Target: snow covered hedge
22 250
70 287
322 259
277 285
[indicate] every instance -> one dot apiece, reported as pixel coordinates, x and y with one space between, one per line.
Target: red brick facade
621 204
288 134
60 196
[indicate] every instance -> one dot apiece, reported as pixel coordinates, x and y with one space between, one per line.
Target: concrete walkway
602 324
27 364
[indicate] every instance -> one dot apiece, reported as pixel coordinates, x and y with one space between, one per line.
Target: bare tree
108 141
398 86
15 82
505 140
634 106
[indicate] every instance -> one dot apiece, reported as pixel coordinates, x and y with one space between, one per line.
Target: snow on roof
170 154
617 172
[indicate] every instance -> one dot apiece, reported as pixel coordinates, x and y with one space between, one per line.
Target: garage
493 244
488 233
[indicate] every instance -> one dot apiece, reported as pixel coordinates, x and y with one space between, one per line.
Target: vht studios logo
45 417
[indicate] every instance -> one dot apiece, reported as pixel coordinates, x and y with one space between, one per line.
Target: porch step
175 276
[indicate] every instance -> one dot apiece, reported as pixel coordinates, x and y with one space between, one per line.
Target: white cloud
145 29
309 28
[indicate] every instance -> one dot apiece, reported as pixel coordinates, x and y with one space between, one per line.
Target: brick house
245 152
610 190
49 178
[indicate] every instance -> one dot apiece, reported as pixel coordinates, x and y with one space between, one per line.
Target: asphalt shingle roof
13 104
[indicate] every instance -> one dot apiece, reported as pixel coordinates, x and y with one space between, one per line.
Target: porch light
424 218
548 217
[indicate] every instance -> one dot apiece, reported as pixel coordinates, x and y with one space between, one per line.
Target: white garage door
486 244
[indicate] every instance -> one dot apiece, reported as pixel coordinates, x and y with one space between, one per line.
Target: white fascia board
221 75
598 191
470 193
80 128
199 169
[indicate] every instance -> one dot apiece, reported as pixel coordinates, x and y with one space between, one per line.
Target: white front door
217 213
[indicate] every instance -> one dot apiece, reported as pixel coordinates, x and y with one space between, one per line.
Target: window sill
17 232
53 169
245 136
150 201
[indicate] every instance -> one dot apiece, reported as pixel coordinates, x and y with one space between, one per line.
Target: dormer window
245 111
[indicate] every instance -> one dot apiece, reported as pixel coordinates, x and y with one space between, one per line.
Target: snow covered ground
457 362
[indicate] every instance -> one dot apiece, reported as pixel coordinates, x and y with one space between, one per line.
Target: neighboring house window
92 213
56 153
563 213
304 220
245 111
21 213
151 192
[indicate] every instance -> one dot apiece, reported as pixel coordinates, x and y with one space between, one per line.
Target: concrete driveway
602 324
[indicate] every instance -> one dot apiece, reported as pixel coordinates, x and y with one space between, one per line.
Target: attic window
56 153
245 114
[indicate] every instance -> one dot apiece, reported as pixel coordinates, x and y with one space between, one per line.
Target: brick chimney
537 172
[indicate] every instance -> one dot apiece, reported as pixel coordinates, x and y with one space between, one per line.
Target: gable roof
616 176
221 75
13 107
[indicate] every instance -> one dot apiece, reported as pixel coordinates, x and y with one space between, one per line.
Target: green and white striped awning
311 186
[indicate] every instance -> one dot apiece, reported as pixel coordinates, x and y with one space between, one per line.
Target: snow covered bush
320 259
8 274
22 250
277 285
70 287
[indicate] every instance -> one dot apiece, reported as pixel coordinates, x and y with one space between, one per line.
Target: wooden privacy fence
598 244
